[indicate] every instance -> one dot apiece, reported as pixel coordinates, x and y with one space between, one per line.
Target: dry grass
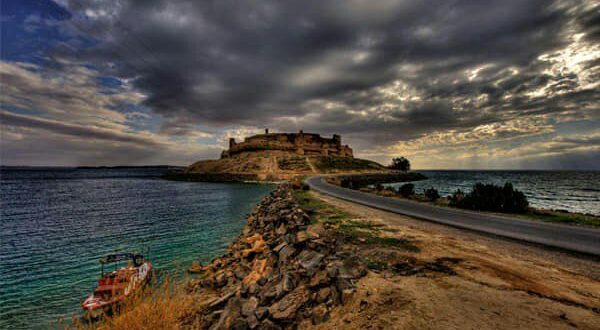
160 308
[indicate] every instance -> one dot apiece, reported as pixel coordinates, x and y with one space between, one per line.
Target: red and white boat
113 287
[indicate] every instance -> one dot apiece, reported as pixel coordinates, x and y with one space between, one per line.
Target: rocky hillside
272 166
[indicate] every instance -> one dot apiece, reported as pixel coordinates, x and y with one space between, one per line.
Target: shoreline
545 215
308 260
538 214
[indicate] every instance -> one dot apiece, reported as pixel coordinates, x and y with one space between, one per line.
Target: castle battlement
298 143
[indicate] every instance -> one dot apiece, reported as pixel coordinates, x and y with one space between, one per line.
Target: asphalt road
577 239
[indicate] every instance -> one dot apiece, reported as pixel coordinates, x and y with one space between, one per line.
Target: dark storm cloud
253 62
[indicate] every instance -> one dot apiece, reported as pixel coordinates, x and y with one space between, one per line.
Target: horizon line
417 169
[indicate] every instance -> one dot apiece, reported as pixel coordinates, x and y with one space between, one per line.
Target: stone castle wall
298 143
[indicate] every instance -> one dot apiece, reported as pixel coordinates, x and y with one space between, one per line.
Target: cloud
16 120
63 116
391 76
261 62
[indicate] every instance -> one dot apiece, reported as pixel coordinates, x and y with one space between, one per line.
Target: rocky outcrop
282 271
278 157
271 165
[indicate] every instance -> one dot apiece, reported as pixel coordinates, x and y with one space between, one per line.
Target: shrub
407 189
431 194
378 187
489 197
456 197
401 164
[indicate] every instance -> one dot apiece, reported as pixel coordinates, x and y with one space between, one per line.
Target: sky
450 84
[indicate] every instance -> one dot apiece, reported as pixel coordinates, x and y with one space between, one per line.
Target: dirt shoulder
454 279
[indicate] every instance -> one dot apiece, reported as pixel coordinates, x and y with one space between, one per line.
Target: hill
279 156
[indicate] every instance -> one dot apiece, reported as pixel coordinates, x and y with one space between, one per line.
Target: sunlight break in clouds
433 81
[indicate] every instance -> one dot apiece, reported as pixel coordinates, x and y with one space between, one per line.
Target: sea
573 191
55 223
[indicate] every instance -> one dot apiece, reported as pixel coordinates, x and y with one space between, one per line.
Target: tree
407 189
401 164
489 197
431 194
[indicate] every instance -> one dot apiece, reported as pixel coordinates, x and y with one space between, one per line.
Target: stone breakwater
281 272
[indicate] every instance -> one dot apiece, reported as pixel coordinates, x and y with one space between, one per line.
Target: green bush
431 194
489 197
407 189
456 197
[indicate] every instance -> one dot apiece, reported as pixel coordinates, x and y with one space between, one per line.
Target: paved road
578 239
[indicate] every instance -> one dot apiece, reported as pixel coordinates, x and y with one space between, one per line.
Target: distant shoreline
540 214
178 166
19 167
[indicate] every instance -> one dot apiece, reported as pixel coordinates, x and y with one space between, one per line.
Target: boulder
249 306
231 316
310 259
279 247
319 279
261 312
323 295
220 279
287 283
287 307
320 314
252 321
269 325
258 270
281 230
221 301
286 253
302 236
196 268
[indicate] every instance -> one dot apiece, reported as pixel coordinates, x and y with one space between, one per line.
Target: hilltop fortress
279 156
301 143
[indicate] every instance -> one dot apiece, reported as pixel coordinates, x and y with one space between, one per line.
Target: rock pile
282 271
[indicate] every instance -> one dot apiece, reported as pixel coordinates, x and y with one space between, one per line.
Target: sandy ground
499 284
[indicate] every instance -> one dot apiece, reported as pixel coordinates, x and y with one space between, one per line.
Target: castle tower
231 142
337 140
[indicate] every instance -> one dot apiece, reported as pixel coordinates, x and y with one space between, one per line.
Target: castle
301 143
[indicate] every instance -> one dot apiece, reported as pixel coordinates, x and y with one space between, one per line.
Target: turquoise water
56 223
574 191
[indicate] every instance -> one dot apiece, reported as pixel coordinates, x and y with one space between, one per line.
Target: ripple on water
574 191
55 224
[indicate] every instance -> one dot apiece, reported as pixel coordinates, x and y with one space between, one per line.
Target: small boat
114 286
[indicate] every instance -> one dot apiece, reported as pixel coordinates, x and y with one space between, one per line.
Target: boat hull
105 300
